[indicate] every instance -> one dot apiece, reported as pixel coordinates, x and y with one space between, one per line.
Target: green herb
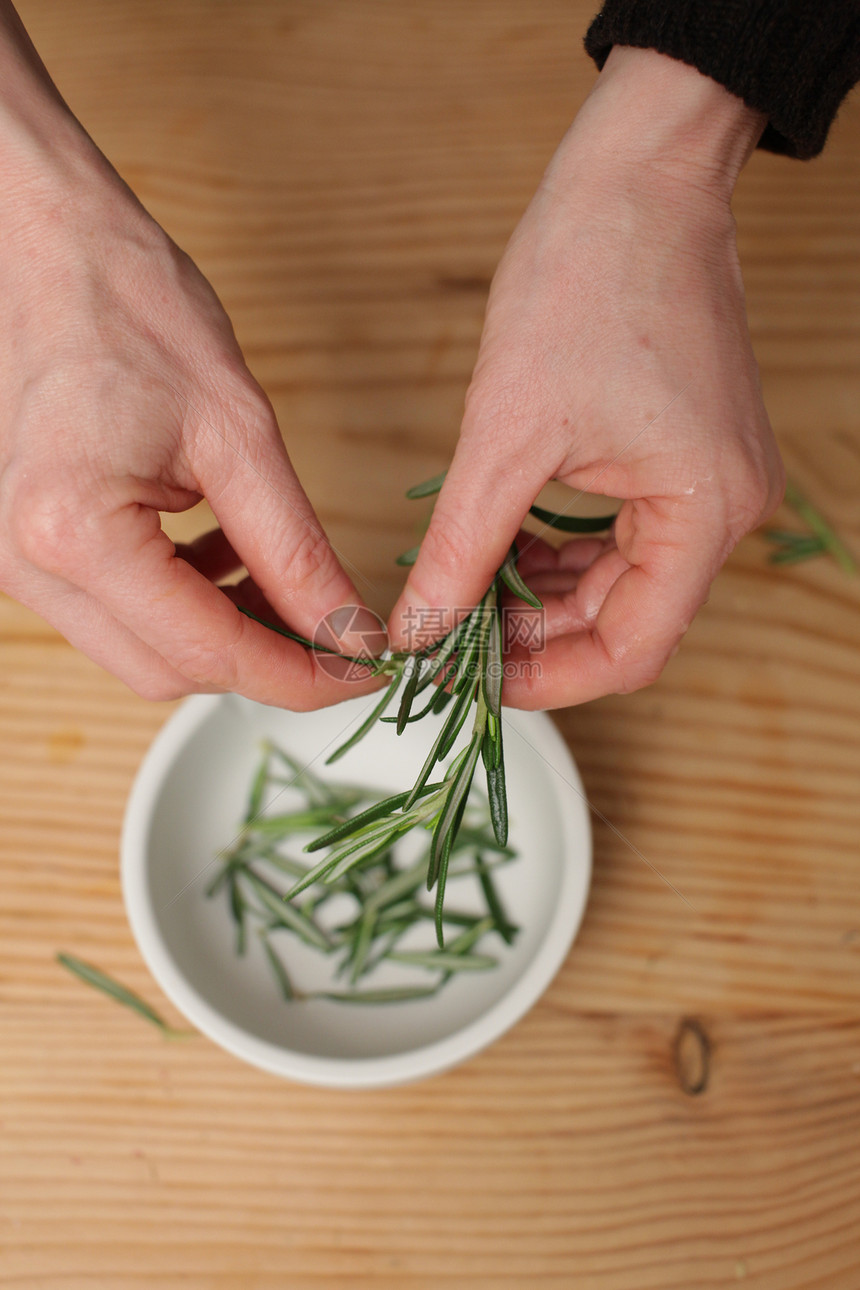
791 547
360 868
573 523
281 974
464 673
121 993
396 994
555 519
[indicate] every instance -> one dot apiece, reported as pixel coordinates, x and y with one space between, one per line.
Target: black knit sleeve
794 60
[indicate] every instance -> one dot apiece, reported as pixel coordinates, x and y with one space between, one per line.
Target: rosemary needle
790 547
116 990
820 527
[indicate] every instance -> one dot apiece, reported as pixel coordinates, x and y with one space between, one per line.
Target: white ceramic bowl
183 810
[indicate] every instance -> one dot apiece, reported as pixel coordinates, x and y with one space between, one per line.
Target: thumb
477 515
269 521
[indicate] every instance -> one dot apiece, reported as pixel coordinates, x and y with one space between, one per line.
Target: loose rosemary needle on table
791 546
93 976
461 675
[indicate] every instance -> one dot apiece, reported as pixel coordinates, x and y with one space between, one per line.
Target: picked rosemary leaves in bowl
203 774
366 914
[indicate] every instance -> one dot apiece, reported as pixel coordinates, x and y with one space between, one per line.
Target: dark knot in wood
692 1050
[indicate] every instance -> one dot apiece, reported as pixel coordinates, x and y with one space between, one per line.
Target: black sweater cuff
793 60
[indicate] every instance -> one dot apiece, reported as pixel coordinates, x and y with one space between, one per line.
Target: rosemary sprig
465 670
790 547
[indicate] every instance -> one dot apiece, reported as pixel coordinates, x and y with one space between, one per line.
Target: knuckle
160 689
639 677
251 413
303 701
776 489
636 670
209 665
750 506
44 527
757 494
447 547
309 560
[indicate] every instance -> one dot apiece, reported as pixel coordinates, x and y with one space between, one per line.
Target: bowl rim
348 1072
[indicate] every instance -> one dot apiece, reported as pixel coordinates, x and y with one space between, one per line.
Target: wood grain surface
681 1110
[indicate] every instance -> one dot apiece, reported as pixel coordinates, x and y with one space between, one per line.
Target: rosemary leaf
237 909
501 922
287 914
389 936
443 696
443 960
282 826
408 696
379 810
443 741
363 943
369 847
456 917
394 994
446 827
467 837
446 648
798 552
400 910
429 487
472 643
491 747
99 980
510 576
497 793
788 537
368 723
220 878
463 943
313 786
316 646
457 718
281 974
397 886
491 681
258 787
572 523
820 527
433 705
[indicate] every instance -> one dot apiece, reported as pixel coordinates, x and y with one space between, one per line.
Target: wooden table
347 174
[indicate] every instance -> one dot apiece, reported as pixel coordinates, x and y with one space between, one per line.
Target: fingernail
340 619
410 626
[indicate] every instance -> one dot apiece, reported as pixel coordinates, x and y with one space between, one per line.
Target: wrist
662 123
50 165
